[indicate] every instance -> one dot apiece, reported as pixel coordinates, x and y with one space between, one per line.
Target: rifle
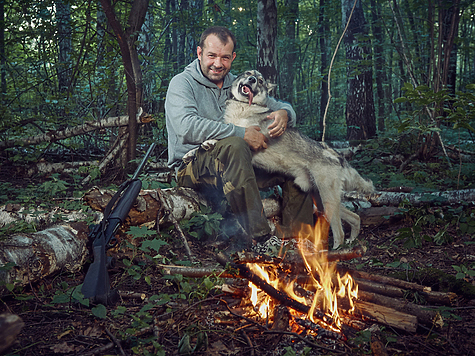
96 284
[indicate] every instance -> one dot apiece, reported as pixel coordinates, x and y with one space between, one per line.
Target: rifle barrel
144 161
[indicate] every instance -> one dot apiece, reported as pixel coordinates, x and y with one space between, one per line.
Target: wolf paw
189 156
209 144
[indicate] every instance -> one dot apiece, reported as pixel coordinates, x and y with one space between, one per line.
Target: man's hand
279 124
255 139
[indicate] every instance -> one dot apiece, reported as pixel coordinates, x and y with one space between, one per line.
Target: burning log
381 314
385 280
282 297
394 287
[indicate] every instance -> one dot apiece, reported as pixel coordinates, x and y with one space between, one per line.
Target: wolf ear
271 88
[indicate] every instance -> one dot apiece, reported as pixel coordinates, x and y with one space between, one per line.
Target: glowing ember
324 280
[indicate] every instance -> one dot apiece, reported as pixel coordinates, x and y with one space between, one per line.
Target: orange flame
324 279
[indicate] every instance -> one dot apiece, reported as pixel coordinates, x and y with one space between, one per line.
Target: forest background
397 77
66 63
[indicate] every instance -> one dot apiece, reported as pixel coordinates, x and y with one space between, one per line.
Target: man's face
216 58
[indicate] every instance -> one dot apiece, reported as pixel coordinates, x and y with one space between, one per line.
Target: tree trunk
323 33
133 73
3 59
193 25
65 46
379 63
266 39
290 55
181 34
360 118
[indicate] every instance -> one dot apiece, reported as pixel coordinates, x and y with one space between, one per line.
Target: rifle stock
96 285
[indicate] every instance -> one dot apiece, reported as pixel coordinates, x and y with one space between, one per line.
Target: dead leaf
64 348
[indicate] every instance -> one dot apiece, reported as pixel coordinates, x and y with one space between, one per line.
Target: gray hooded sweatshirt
194 109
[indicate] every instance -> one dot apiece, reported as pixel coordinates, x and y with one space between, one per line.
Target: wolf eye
248 73
261 81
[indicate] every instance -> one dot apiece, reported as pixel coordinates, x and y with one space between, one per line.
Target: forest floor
162 315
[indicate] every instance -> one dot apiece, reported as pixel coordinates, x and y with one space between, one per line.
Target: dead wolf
314 166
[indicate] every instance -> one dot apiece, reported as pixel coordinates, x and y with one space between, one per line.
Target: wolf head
251 87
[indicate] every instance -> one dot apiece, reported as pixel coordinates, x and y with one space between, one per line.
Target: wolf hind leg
329 186
352 219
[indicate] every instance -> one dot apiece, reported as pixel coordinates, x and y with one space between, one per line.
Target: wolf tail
353 181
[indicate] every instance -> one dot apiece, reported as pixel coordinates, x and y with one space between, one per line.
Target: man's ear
271 88
199 51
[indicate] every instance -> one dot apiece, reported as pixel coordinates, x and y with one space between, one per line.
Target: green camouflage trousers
227 168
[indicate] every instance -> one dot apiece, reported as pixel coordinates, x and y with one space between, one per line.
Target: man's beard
213 76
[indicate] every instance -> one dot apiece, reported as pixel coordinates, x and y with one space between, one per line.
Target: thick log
386 316
385 280
34 256
11 213
395 198
63 167
396 292
10 327
424 315
181 203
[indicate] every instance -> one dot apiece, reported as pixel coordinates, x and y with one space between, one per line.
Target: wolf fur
315 167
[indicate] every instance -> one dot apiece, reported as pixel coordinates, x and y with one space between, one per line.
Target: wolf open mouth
246 90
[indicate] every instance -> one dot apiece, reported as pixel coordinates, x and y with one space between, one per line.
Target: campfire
318 295
323 292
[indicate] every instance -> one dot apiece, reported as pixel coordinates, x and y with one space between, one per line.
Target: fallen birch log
12 213
35 256
52 136
396 198
62 167
181 203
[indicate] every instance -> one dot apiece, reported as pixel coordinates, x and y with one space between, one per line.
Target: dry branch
37 255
